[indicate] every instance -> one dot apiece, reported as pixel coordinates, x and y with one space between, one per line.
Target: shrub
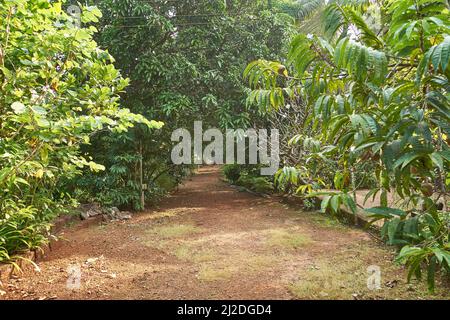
376 99
232 172
57 89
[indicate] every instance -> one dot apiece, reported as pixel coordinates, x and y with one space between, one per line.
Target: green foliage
248 176
232 172
295 9
376 94
359 60
184 66
258 184
410 232
57 89
20 229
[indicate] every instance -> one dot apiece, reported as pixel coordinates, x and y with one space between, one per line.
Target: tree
185 62
377 93
57 90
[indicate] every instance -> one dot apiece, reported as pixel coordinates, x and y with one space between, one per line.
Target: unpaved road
209 241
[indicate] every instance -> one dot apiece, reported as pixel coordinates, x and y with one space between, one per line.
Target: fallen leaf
91 260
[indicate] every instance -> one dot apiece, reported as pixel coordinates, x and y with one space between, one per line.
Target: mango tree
376 94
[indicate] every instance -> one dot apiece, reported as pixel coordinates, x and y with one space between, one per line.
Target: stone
94 213
113 213
84 215
90 210
125 215
91 260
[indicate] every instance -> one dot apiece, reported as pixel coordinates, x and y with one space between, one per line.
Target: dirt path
209 241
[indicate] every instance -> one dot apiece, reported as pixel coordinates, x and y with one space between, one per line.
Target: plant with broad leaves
377 94
57 90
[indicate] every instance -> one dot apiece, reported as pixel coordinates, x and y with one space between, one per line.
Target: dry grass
345 276
289 239
257 263
217 257
324 280
189 253
212 273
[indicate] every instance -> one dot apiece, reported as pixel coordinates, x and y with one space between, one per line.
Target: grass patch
288 239
187 253
326 281
328 222
175 231
261 262
345 275
211 273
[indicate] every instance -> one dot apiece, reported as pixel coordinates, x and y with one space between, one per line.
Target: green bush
57 89
258 184
377 100
249 177
232 172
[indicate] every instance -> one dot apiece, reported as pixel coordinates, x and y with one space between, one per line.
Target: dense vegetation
375 96
166 50
63 137
358 89
58 89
